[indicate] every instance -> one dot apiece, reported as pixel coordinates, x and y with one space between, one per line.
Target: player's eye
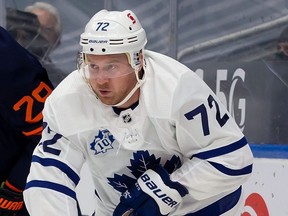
93 66
111 68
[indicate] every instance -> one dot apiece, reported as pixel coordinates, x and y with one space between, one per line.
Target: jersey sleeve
24 87
219 159
54 172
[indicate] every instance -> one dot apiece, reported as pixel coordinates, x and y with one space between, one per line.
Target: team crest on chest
102 142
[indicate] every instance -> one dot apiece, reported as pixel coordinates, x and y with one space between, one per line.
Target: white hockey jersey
178 123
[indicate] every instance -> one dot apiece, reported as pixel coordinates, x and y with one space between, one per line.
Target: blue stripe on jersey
231 172
221 206
53 186
222 150
60 165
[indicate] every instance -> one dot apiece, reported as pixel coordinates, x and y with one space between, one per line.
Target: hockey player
24 86
156 138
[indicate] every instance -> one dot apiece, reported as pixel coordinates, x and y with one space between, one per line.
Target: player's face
111 77
47 24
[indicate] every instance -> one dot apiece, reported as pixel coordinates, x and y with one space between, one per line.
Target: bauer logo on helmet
98 41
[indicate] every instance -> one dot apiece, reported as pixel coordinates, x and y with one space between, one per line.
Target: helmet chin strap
138 84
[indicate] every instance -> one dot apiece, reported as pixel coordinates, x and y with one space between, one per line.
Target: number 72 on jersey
202 111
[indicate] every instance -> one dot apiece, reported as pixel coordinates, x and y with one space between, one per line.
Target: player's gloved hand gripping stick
153 194
10 202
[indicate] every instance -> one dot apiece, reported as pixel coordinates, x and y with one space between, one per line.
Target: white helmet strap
138 84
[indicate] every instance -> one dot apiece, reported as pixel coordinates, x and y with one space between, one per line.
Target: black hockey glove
153 194
10 203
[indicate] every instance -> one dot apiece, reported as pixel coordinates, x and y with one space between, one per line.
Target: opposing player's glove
10 202
153 194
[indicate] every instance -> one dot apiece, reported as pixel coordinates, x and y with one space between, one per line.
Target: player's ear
141 58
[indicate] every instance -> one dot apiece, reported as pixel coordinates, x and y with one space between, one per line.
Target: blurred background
190 30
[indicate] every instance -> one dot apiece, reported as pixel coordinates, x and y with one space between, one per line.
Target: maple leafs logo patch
102 142
141 162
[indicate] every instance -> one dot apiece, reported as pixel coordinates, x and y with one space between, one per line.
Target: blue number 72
204 117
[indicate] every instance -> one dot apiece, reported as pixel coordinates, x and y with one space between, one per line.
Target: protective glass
109 71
